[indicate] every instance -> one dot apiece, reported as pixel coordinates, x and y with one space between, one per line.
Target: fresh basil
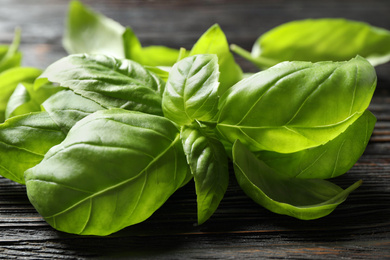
109 81
214 41
296 105
329 160
10 79
10 56
90 32
117 182
209 165
191 91
300 198
24 140
28 97
326 39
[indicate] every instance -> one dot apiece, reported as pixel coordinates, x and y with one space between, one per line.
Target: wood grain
357 229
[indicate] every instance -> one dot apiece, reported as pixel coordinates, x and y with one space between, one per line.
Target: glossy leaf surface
296 105
300 198
208 163
214 41
327 39
111 82
330 160
24 140
191 90
128 165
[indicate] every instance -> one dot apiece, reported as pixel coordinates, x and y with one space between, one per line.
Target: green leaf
330 160
24 140
67 108
10 79
326 39
300 198
191 90
28 97
110 82
90 32
208 163
214 41
296 105
114 169
10 56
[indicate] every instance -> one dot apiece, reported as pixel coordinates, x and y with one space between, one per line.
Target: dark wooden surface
358 229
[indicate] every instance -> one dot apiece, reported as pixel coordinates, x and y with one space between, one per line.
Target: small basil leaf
28 98
161 71
214 41
90 32
24 140
191 90
10 56
208 163
330 160
296 105
111 82
67 108
326 39
300 198
98 182
10 79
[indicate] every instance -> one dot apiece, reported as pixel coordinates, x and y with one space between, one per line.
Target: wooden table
357 229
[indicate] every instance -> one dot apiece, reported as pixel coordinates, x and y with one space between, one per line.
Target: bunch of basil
103 139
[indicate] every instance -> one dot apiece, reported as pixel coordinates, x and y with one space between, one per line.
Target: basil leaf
28 97
109 82
208 163
90 32
214 41
23 142
330 160
98 182
67 108
9 80
191 90
10 56
315 40
300 198
296 105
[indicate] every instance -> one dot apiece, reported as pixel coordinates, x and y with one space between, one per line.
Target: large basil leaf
10 79
111 82
330 160
90 32
114 169
208 163
191 90
67 108
315 40
10 56
214 41
28 97
24 140
300 198
296 105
